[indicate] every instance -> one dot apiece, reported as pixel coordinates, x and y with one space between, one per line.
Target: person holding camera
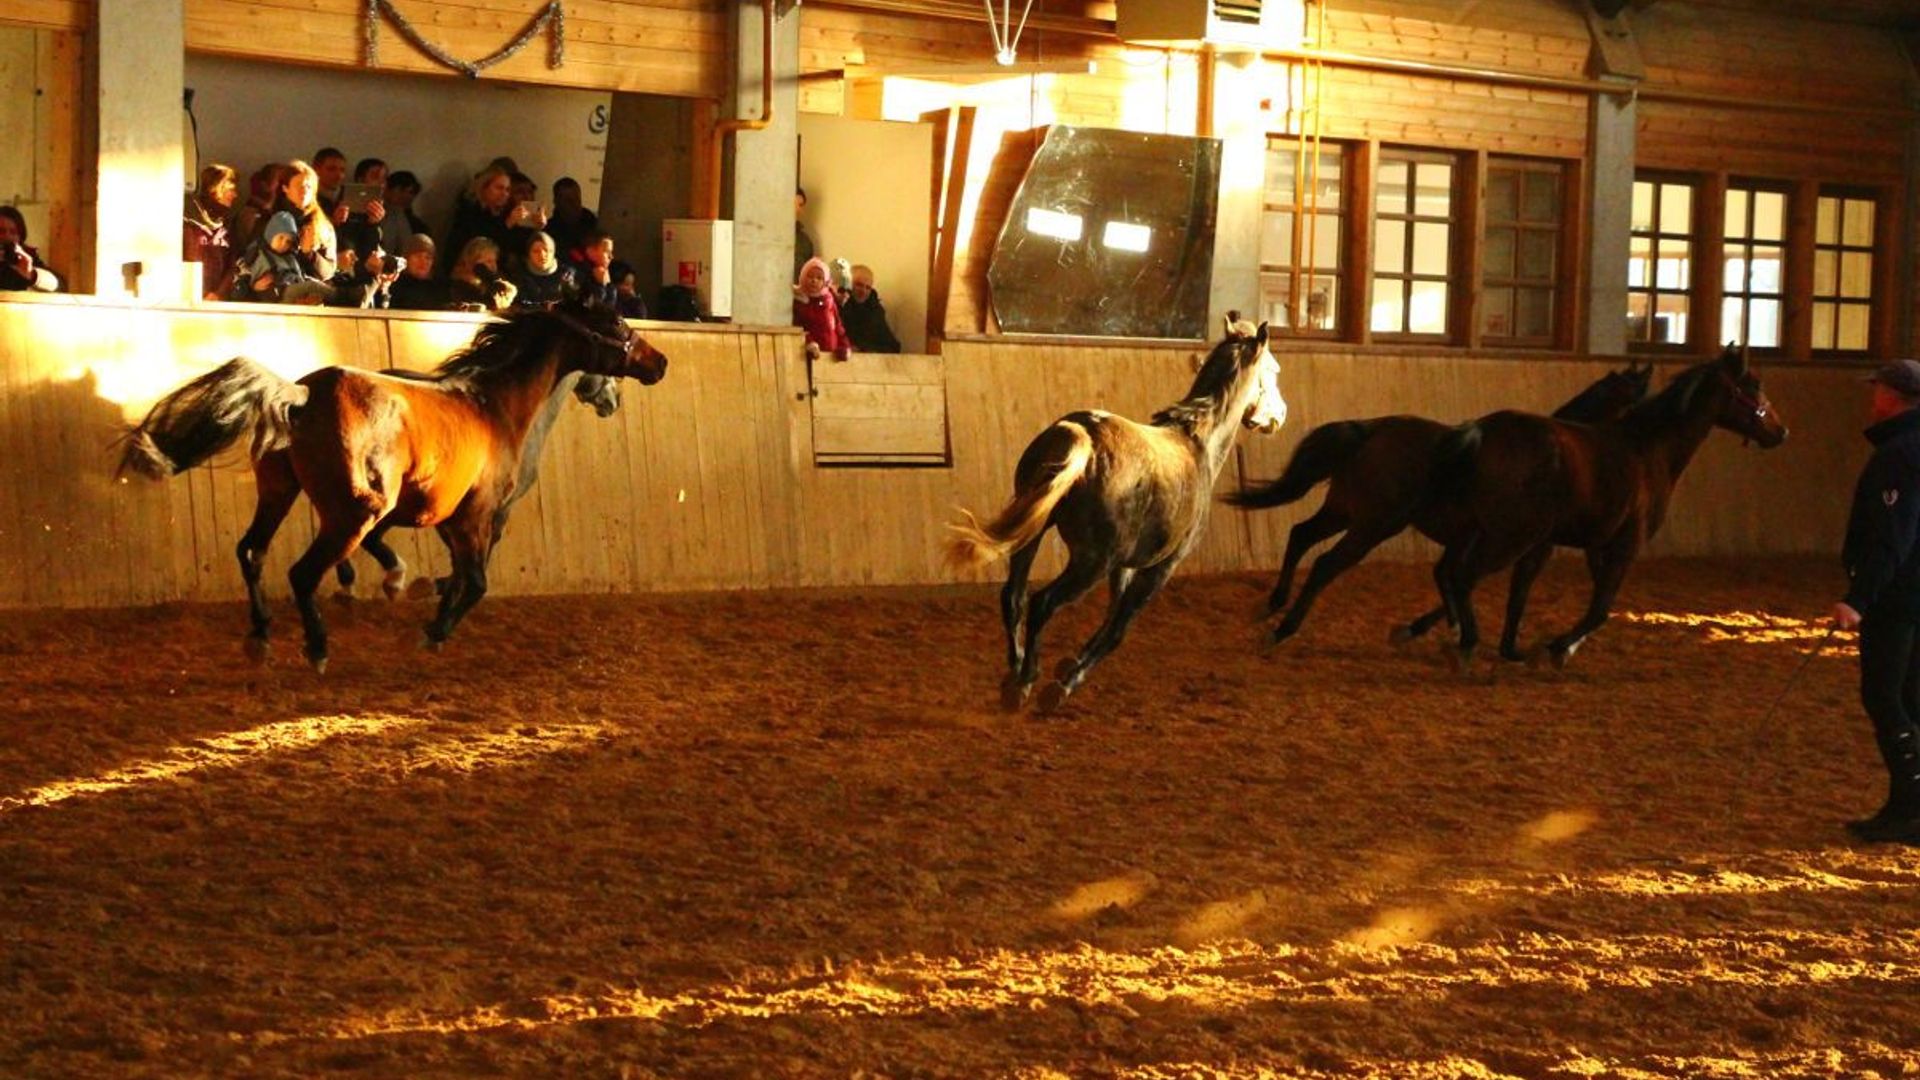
417 289
20 267
489 212
475 283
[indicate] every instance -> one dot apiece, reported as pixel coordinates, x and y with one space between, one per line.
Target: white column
766 167
139 64
1240 125
1610 203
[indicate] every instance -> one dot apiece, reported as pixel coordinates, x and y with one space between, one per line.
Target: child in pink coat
816 312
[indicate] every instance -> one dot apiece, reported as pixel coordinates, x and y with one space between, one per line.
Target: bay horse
1528 483
1379 483
599 392
1129 499
369 447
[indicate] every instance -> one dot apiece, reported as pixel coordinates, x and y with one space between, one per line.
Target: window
1521 259
1755 260
1319 231
1842 273
1414 212
1659 262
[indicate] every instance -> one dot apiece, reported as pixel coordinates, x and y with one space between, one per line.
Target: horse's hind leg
1443 571
469 541
1608 567
340 531
1013 615
277 488
1084 570
1300 540
1132 594
1342 557
1519 585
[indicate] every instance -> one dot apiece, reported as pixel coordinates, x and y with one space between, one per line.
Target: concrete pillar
766 166
139 64
1610 202
1241 127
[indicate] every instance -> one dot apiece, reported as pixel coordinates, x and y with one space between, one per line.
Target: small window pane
1857 223
1430 248
1736 276
1763 324
1535 316
1769 215
1853 326
1639 259
1499 255
1390 247
1823 324
1536 255
1769 268
1670 319
1323 302
1276 238
1736 213
1826 273
1542 198
1732 310
1826 228
1273 300
1427 312
1639 325
1434 197
1642 206
1391 193
1856 274
1389 306
1671 271
1328 180
1503 196
1496 313
1326 241
1676 209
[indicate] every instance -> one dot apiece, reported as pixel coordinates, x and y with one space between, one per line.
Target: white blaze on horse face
1269 409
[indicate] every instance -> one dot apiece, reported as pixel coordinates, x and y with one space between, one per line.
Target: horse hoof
1013 693
1514 656
421 589
1560 658
1051 698
394 584
1065 667
432 644
257 648
1460 660
319 663
343 595
1264 642
1267 610
1399 637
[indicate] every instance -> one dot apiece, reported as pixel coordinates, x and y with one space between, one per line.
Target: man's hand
340 212
376 212
22 264
1844 617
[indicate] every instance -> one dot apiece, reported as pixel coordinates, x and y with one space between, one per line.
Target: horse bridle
1744 399
624 343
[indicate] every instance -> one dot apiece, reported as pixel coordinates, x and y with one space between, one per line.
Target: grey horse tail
209 414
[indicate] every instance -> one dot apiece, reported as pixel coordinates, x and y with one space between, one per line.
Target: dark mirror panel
1110 235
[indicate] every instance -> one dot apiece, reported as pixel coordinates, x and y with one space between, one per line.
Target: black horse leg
1083 571
1343 556
277 489
338 536
1013 615
1134 591
1443 569
394 568
1300 540
470 548
1519 584
1607 566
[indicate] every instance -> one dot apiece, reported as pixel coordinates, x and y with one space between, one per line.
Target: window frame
1695 238
1872 249
1556 283
1296 273
1788 262
1459 222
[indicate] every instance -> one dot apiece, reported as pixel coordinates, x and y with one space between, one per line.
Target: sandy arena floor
792 836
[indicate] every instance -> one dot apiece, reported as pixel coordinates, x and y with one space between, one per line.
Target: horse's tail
1314 461
1455 460
1025 516
208 415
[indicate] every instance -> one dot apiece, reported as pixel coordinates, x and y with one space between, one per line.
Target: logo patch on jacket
1890 496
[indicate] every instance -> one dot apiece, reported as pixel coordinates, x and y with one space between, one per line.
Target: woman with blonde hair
488 210
475 282
299 194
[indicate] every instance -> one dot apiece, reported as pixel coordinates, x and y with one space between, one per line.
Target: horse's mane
501 344
1209 386
1675 399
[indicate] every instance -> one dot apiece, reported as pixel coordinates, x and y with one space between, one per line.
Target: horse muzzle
648 365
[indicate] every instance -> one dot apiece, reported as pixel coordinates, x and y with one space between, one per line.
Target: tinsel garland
552 14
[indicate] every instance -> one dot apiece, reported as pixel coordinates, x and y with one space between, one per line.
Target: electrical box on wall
698 253
1229 25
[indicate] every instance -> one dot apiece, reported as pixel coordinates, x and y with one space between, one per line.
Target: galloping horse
598 391
1529 482
1378 483
369 448
1129 500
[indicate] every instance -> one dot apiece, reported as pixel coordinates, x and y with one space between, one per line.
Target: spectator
626 292
679 303
400 221
318 247
488 212
330 165
525 196
361 230
204 238
597 281
475 283
815 311
544 281
244 227
865 316
570 223
20 266
376 275
271 272
802 240
417 289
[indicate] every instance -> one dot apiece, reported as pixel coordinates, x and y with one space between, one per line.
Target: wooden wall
708 481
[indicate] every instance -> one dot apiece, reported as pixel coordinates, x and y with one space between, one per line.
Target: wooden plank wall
707 481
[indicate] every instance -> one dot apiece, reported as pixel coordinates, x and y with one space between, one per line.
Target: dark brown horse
1378 484
1531 482
369 448
1129 499
597 391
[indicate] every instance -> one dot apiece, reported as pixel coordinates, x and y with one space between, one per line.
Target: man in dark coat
1882 556
865 317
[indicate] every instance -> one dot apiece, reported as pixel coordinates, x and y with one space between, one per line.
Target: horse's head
1610 396
600 391
1258 374
1746 411
614 349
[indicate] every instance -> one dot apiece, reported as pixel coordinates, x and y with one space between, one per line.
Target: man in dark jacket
1882 556
865 317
